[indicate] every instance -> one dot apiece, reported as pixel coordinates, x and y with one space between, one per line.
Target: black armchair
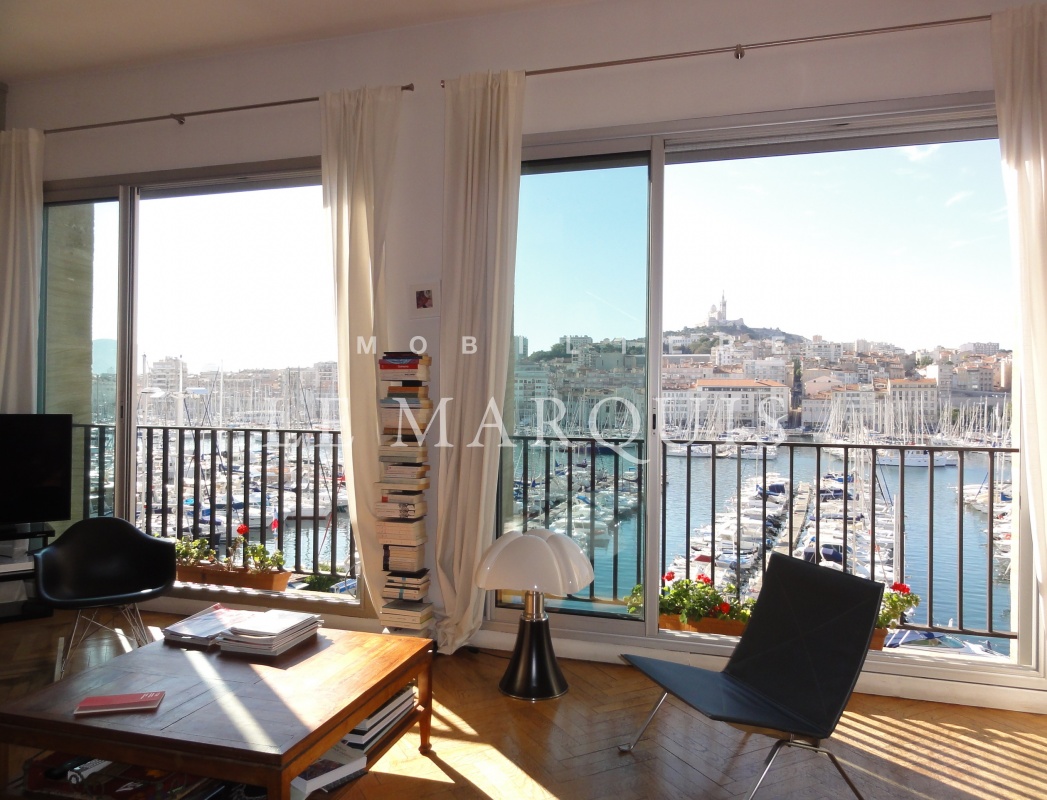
794 668
99 565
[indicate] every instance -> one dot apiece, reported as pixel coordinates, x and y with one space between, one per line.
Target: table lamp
537 563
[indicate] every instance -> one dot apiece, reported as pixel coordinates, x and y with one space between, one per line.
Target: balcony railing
940 523
285 487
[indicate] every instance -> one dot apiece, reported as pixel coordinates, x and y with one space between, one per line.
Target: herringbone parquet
486 745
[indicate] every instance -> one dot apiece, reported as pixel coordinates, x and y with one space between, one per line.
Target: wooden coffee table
254 721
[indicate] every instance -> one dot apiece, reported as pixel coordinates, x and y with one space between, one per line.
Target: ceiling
48 38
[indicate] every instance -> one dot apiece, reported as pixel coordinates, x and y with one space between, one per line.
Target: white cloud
958 198
919 153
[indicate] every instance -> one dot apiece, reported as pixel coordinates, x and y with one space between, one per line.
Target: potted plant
696 604
897 602
263 570
192 552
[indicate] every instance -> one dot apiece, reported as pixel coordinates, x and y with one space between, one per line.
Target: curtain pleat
1019 52
358 146
21 232
482 151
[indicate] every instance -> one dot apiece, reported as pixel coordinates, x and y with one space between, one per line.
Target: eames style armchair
100 566
794 668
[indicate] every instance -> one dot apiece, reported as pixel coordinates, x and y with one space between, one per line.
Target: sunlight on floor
1006 763
476 764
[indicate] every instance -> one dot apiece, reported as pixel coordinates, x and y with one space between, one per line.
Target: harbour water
943 536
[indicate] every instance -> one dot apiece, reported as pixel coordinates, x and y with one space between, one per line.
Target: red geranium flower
668 577
242 529
901 588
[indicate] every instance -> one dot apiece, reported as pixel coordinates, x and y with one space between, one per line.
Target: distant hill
754 333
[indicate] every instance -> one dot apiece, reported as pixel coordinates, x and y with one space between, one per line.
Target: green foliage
897 601
196 551
693 599
321 583
259 559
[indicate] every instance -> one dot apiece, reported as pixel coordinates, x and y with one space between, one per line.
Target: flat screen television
36 467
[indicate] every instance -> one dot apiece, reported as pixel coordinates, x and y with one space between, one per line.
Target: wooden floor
486 745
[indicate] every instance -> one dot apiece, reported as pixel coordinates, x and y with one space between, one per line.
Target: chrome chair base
91 620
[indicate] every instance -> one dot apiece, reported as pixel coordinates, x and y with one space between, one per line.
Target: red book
109 703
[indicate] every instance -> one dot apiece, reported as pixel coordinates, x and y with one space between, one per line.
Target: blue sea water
943 539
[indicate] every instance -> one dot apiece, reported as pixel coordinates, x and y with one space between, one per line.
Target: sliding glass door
577 409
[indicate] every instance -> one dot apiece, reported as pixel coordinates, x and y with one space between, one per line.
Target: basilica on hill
718 316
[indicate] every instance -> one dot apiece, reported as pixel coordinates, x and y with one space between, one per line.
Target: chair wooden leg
627 747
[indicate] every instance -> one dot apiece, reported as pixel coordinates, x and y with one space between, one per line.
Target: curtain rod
739 50
180 118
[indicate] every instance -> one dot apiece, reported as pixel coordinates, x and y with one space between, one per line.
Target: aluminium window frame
128 189
853 126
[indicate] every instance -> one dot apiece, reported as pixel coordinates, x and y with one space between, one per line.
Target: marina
922 525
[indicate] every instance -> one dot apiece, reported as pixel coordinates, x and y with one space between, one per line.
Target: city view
844 399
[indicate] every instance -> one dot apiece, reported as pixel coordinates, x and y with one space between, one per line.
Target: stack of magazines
270 633
372 730
204 628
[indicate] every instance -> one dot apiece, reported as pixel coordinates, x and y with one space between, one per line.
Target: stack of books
400 504
406 585
406 365
414 615
404 450
401 508
403 558
270 633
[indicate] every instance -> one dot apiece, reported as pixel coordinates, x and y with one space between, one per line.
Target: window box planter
725 627
879 635
274 581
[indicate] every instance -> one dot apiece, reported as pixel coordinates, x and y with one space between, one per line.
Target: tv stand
16 564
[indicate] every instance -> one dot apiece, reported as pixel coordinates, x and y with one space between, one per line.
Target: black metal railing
892 512
281 488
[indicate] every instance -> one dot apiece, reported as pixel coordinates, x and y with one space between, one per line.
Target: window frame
904 121
127 190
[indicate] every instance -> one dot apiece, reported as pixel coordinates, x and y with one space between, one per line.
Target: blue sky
237 281
907 245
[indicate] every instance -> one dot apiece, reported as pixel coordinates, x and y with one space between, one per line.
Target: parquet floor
486 745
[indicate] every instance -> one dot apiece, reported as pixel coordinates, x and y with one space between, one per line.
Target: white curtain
21 232
358 145
482 140
1019 50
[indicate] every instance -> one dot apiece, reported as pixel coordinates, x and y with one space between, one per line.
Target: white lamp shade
575 569
522 562
539 561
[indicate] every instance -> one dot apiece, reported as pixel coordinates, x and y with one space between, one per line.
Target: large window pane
861 298
578 387
237 400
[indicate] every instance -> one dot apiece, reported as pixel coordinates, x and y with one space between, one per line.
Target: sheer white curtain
21 232
482 139
1019 49
358 145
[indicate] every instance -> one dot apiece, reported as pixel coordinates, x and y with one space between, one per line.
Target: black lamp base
533 673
